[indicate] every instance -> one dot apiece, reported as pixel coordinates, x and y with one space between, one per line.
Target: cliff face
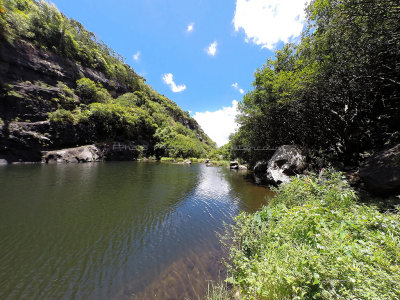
34 74
30 86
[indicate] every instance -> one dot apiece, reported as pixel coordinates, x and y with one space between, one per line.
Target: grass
316 241
218 291
195 160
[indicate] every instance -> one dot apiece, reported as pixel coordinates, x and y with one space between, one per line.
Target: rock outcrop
381 172
287 161
89 153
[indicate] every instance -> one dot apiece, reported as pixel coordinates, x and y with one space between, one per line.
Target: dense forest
336 92
54 70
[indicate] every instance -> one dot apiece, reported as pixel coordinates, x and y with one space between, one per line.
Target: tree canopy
337 90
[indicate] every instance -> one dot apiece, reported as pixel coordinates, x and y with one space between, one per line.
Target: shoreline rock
381 172
287 161
89 153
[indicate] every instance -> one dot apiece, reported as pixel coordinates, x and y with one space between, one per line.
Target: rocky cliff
32 81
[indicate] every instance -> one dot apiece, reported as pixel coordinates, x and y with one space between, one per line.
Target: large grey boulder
381 172
81 154
288 160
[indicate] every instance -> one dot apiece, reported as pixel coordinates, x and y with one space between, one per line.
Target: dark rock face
22 61
28 102
24 141
120 152
288 160
261 167
381 172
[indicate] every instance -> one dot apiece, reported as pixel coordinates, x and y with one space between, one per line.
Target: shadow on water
115 230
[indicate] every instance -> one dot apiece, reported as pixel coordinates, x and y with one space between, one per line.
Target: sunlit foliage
337 91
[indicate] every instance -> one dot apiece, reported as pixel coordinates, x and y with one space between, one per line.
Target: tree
338 89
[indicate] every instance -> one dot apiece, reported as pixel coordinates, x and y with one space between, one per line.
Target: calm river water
117 230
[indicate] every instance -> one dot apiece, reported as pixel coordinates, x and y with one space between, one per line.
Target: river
116 230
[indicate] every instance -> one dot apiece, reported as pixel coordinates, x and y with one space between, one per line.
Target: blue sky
202 54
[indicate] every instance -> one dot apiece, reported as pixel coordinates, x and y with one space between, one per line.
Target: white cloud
212 49
267 22
236 87
219 124
169 80
190 27
136 56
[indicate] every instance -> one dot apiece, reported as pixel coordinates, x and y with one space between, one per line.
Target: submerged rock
381 172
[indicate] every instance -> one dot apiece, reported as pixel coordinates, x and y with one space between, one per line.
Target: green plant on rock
91 92
116 121
63 116
67 98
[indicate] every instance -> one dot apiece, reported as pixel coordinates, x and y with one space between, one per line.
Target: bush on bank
315 241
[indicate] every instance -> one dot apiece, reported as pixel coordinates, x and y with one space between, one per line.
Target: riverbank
314 240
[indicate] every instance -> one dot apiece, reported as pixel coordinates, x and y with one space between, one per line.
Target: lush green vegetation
134 117
141 115
337 91
314 241
42 24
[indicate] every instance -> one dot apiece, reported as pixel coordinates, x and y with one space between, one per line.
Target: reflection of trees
250 197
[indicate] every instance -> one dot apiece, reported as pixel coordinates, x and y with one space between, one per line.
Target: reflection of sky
212 184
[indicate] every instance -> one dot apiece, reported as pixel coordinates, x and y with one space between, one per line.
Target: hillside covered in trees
336 92
62 87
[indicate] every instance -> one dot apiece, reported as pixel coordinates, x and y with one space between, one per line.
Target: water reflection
115 230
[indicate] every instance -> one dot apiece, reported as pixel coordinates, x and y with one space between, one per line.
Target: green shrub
116 121
167 159
315 241
91 92
132 99
175 144
67 98
63 116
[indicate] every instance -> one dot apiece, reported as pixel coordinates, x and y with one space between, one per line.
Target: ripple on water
116 230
